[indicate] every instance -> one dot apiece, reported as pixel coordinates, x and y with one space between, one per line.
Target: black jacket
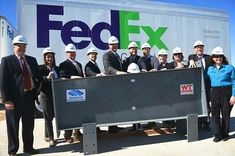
138 60
68 69
12 86
91 69
45 86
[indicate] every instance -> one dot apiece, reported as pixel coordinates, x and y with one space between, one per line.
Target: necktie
77 66
120 61
26 75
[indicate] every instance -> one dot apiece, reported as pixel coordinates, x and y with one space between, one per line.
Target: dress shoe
70 140
52 143
225 138
216 139
32 152
46 139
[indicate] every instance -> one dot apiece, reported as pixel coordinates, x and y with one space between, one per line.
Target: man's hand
9 105
75 77
121 72
192 64
232 100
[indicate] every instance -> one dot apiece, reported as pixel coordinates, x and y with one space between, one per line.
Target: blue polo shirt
224 76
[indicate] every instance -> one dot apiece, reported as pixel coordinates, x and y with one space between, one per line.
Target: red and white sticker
186 89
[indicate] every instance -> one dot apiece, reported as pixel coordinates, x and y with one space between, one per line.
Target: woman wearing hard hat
48 70
222 76
178 60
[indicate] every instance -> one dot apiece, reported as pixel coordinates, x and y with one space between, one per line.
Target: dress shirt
224 76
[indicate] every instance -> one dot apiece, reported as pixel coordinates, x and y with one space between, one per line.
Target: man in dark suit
206 61
111 60
134 58
113 66
19 81
71 69
91 68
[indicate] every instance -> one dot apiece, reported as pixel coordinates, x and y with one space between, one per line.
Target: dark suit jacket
68 69
208 59
12 86
138 60
111 63
91 69
46 83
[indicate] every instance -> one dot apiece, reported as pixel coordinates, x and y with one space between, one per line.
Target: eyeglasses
217 56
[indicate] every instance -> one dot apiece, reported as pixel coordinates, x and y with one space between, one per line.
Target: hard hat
113 40
162 52
133 68
132 45
217 51
198 43
19 39
70 47
145 45
177 50
91 50
48 50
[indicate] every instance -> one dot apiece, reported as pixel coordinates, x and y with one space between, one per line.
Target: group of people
22 79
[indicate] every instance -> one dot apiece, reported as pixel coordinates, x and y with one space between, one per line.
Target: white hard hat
132 45
91 50
19 39
177 50
145 45
217 51
162 52
48 50
70 47
198 43
133 68
113 40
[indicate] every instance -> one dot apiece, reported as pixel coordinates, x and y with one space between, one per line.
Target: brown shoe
70 140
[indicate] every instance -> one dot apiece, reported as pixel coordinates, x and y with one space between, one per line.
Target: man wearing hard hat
134 58
162 57
111 60
113 66
19 80
205 60
91 68
151 62
71 69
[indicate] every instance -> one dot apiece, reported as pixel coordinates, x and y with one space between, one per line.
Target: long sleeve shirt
224 76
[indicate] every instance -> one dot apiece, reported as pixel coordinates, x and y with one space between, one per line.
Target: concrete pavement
132 143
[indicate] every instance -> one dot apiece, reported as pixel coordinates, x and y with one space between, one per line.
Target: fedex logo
118 26
186 89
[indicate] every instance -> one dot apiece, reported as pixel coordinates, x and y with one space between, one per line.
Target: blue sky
9 10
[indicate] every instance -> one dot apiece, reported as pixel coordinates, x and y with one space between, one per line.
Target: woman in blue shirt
222 76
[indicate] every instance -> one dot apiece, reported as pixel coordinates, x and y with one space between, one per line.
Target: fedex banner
90 24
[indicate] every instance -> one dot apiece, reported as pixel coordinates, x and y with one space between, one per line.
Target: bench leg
192 127
89 138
